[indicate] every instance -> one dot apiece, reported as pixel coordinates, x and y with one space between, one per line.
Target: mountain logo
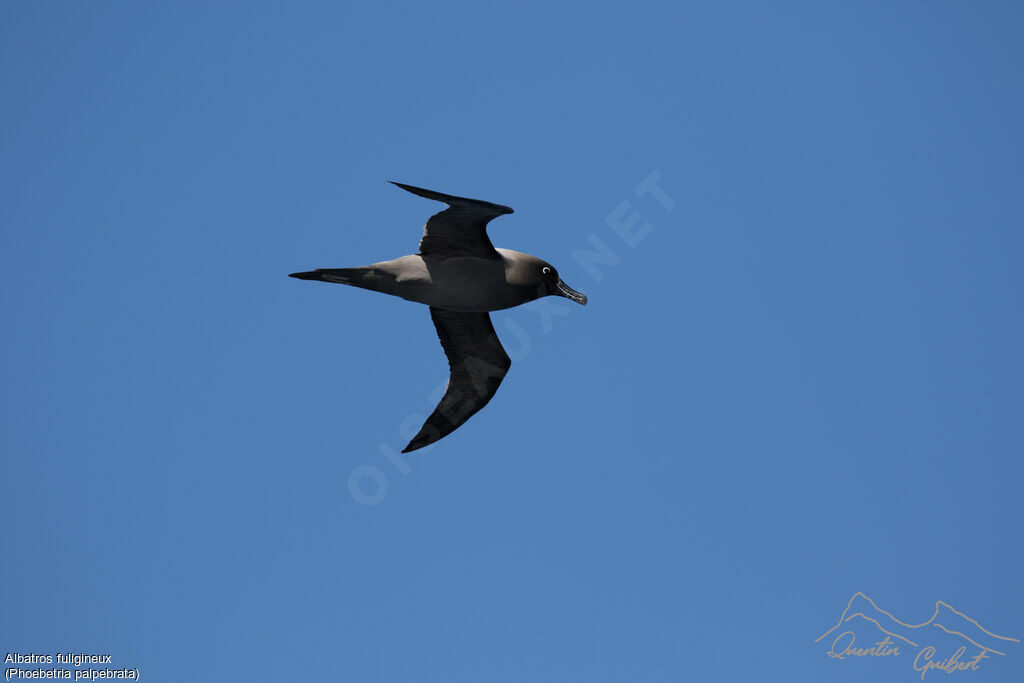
950 641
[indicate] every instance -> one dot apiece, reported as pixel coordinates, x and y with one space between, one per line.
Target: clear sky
801 380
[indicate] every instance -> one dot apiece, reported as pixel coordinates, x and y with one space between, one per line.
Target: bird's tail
357 277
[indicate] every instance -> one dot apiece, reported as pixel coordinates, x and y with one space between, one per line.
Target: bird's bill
570 293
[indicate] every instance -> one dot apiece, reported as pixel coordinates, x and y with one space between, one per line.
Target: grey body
457 283
461 276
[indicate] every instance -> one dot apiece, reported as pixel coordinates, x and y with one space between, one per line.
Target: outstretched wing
478 364
459 230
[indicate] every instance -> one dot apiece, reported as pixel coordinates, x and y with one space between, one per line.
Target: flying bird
461 276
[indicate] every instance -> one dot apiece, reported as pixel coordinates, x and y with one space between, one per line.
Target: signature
901 637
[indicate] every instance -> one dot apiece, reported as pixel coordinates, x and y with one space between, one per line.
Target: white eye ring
545 271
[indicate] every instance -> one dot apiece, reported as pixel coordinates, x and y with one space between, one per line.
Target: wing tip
420 441
448 198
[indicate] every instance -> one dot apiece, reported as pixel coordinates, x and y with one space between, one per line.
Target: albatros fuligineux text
461 276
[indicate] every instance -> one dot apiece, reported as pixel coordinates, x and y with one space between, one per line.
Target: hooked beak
570 293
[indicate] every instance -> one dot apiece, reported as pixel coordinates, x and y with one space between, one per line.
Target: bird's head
536 278
552 285
545 278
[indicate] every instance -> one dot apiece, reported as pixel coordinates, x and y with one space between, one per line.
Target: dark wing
459 230
478 364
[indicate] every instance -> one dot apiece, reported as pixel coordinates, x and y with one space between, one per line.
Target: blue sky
804 381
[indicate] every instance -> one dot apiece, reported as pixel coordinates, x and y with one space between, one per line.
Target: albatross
462 277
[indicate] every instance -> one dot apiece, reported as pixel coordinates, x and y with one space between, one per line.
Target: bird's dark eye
545 271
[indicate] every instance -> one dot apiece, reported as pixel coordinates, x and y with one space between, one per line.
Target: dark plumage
462 277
